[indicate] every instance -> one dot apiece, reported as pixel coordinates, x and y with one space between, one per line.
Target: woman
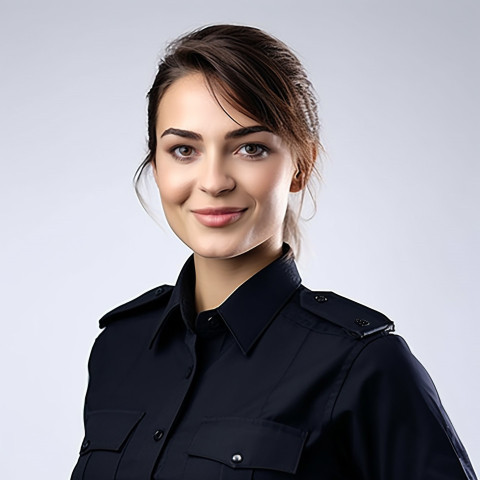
239 371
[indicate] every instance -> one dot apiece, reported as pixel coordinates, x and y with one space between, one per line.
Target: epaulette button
361 322
320 298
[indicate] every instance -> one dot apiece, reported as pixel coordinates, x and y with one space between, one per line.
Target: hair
259 76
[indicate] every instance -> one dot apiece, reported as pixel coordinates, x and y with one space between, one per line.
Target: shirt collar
249 310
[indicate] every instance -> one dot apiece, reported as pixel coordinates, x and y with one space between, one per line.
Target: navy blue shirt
278 382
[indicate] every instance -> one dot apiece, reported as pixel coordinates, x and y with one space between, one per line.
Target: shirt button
212 321
237 458
320 298
159 291
188 372
158 435
85 445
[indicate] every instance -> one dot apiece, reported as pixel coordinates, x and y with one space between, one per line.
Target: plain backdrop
397 225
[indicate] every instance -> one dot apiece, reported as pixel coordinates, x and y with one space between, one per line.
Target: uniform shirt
278 382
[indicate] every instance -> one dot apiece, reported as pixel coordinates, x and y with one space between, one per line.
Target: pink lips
218 217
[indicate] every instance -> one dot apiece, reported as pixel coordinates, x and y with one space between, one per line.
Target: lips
218 217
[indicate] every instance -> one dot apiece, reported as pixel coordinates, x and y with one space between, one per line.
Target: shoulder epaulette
152 297
355 318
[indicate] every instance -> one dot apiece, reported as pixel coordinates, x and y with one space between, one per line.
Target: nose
214 179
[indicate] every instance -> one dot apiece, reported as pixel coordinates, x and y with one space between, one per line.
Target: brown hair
259 76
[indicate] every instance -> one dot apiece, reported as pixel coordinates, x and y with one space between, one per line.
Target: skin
204 160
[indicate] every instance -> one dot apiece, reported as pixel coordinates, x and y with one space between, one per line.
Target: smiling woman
264 87
239 371
224 190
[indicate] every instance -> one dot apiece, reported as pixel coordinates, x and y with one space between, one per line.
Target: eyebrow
241 132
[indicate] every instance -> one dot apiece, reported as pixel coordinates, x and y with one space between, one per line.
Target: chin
220 248
223 249
216 251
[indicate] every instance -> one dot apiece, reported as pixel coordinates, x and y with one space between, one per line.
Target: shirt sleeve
389 421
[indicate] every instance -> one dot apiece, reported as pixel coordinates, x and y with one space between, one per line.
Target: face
224 185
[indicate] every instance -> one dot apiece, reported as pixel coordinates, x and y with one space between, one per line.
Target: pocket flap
249 443
108 429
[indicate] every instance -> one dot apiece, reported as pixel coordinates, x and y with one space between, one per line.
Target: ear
303 171
297 181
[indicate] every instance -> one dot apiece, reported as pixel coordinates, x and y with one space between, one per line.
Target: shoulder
374 351
341 314
145 302
384 369
387 406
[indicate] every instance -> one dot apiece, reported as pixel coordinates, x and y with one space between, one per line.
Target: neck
217 278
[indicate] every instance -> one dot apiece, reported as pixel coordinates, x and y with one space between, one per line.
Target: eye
253 150
183 152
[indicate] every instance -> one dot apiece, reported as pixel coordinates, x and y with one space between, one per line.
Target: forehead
190 102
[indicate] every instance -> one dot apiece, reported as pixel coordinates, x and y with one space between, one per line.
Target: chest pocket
232 448
106 434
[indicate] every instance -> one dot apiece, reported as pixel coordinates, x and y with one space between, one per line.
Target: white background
397 223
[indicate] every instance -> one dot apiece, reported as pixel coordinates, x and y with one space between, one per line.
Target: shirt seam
282 376
355 354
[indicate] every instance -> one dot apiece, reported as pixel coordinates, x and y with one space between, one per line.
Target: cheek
173 185
272 188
